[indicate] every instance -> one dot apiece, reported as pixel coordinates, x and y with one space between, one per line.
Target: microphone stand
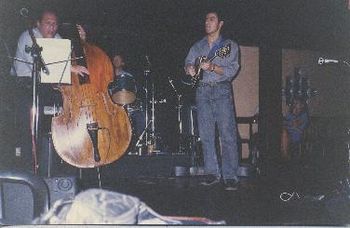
179 117
38 65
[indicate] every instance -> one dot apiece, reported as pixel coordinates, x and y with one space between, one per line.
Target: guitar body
199 72
221 52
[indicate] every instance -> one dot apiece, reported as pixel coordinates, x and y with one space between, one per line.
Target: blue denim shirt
295 133
229 63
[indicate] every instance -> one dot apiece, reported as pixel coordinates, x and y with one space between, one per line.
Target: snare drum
123 90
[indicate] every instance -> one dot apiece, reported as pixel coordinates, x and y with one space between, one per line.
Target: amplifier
61 188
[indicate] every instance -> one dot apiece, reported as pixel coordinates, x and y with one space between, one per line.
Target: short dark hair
218 13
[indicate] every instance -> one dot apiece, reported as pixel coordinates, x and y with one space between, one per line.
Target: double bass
91 131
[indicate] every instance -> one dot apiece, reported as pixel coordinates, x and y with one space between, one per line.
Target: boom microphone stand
38 65
179 117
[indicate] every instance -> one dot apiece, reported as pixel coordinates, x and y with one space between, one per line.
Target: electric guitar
221 52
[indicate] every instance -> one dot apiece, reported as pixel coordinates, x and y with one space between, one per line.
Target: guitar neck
212 58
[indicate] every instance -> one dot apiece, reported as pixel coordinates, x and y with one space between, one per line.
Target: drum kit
146 140
124 91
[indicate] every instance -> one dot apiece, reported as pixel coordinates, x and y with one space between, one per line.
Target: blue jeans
215 105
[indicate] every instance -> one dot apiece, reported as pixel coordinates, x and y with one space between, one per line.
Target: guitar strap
216 47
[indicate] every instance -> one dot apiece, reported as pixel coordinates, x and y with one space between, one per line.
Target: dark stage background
165 29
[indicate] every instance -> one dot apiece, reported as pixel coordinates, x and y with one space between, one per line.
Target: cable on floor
286 196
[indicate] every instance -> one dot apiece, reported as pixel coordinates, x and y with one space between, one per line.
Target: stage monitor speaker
17 203
61 188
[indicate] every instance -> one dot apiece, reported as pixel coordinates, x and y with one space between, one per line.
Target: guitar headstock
223 51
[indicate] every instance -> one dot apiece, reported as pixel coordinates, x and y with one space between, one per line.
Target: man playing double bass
46 27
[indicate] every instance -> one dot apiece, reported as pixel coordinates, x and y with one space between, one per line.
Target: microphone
171 82
24 12
172 85
326 61
44 67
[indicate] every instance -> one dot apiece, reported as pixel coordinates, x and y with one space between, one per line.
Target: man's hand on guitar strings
190 70
206 66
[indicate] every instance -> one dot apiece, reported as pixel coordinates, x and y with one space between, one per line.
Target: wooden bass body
91 131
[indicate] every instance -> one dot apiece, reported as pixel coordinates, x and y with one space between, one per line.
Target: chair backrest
17 189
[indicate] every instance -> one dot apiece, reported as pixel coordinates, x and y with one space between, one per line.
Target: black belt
212 84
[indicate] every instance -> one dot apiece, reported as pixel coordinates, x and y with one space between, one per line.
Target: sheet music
54 51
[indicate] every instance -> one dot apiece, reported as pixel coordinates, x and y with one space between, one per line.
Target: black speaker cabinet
61 188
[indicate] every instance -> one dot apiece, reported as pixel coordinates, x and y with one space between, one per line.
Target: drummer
119 64
135 110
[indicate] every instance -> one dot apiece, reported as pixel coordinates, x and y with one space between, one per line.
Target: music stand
50 69
56 53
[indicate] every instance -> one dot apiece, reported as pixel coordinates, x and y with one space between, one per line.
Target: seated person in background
118 64
294 124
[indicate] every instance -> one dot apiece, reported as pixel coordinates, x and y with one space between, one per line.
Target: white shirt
22 65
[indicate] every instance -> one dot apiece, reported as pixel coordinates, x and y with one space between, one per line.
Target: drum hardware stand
152 141
148 134
144 132
147 73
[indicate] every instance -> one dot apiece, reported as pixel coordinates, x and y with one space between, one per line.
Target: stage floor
321 199
257 202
